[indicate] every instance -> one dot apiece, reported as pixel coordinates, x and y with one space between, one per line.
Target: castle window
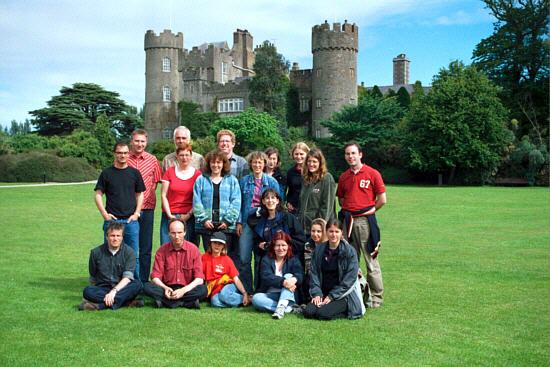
318 103
352 73
231 105
224 73
166 134
166 65
166 94
304 105
318 72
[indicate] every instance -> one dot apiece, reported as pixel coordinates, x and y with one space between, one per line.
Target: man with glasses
123 188
226 143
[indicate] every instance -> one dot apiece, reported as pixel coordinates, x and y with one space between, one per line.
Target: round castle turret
162 82
334 79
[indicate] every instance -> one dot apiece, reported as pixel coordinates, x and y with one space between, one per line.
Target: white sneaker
279 312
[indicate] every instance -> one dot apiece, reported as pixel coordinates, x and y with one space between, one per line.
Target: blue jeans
96 294
246 241
146 221
131 238
189 229
229 296
269 301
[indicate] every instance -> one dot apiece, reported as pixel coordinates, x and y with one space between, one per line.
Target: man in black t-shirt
123 187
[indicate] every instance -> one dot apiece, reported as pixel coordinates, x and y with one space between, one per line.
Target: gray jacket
348 287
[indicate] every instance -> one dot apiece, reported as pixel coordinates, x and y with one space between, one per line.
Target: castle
217 77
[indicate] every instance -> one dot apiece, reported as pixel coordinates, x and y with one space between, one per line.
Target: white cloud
48 44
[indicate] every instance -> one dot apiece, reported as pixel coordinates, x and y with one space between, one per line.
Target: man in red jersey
361 193
149 167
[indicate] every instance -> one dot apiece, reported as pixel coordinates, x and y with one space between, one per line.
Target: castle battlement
338 37
166 39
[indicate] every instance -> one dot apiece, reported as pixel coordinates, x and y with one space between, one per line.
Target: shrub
32 166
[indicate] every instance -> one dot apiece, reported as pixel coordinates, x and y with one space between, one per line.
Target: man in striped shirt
149 167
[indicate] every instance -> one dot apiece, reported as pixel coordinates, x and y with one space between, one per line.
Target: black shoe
158 304
136 303
193 305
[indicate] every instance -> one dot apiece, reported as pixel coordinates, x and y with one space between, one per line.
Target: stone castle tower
212 75
162 82
334 74
401 70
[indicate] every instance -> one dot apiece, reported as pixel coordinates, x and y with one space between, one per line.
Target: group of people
305 254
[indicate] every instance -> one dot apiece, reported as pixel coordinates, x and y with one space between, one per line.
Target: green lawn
466 274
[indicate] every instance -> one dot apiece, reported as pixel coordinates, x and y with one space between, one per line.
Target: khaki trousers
359 236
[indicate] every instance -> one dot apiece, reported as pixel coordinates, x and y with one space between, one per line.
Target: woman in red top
225 289
177 194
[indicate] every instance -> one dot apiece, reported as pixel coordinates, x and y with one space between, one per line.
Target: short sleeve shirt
180 192
216 267
358 191
120 187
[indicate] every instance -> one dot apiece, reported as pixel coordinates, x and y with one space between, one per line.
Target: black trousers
146 221
188 299
334 310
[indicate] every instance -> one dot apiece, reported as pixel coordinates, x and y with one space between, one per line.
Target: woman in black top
294 177
334 287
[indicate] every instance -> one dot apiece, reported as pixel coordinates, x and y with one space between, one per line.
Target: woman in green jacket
317 198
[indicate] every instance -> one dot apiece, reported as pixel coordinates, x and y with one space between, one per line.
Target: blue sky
49 44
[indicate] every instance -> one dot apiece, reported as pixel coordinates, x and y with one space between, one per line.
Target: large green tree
270 83
254 130
80 106
515 57
192 117
460 125
373 124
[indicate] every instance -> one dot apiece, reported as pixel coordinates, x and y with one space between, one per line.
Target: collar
359 170
183 247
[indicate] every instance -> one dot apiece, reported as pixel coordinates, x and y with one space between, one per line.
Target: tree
458 126
515 57
372 124
403 97
270 83
254 130
192 117
375 92
79 106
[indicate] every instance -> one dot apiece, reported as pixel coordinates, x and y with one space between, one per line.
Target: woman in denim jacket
252 188
216 200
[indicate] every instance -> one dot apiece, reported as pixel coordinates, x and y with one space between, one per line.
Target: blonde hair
299 145
225 132
322 223
312 177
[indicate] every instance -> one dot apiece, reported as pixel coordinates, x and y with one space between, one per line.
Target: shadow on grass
65 288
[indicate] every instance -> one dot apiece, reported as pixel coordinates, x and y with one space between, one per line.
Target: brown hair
139 132
256 155
224 249
312 177
214 156
270 151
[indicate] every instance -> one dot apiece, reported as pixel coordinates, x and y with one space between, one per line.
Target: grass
465 271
